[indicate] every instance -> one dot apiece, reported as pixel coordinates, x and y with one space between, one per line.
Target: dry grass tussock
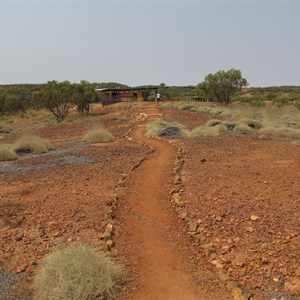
208 131
32 144
165 129
98 136
7 153
268 121
77 273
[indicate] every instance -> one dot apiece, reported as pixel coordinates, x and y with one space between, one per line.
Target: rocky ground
245 194
60 197
243 191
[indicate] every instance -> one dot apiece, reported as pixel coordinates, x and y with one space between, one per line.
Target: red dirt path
154 241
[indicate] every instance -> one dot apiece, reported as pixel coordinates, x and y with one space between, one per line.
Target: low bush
208 131
98 136
32 144
7 153
77 273
165 129
280 132
242 128
254 124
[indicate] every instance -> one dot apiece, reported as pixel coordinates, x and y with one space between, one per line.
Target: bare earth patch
246 194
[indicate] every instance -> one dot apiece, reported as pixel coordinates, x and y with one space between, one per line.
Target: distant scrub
98 136
7 153
280 132
32 144
77 273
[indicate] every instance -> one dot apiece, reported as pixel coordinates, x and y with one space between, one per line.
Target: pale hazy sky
149 42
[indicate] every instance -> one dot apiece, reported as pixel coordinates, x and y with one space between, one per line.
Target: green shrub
32 144
7 153
165 129
282 101
77 273
98 136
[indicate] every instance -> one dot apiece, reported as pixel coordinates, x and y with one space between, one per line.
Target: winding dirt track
150 235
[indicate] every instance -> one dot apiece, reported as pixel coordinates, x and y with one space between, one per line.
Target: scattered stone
293 287
183 215
254 218
193 226
219 218
250 229
19 237
177 180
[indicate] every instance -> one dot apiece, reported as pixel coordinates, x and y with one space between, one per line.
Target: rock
250 229
193 226
109 228
180 204
177 180
293 287
231 285
254 218
208 248
19 237
105 236
203 160
109 244
183 215
237 294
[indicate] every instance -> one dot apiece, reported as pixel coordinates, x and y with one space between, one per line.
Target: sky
149 42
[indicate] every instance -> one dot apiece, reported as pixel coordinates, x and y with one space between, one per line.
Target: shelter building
110 95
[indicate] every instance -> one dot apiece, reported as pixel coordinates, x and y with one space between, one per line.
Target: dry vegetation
265 121
7 152
41 230
100 135
32 144
165 129
77 273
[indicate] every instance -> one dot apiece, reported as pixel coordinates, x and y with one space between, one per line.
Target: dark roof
127 89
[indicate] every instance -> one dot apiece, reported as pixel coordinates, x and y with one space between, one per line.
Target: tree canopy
56 97
221 86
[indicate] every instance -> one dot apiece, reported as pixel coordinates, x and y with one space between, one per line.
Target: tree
56 97
221 86
14 104
83 96
1 105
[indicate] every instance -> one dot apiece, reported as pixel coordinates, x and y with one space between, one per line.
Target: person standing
157 96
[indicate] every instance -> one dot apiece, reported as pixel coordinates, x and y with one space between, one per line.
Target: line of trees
12 104
57 97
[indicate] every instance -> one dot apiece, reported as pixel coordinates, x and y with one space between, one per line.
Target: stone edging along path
108 223
237 291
